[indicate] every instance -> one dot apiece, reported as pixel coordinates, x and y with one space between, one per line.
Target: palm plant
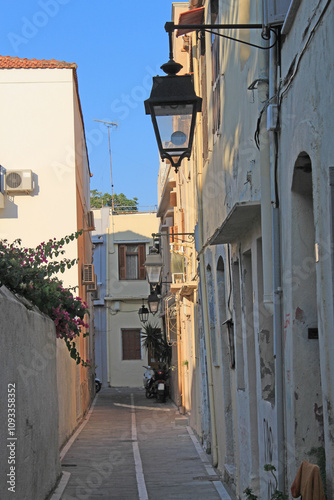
151 339
154 342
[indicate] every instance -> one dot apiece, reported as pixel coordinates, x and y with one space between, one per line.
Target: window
275 11
131 345
131 260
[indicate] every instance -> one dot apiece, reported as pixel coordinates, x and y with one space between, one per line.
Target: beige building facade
45 192
121 243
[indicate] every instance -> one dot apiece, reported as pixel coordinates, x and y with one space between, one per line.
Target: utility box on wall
274 11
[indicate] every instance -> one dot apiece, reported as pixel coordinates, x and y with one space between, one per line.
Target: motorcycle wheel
149 394
161 398
97 386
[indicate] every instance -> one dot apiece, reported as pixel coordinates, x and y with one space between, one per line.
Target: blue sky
118 47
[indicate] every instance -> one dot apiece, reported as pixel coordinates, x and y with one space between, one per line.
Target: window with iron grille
131 259
131 345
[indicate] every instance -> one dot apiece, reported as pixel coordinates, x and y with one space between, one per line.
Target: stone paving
132 448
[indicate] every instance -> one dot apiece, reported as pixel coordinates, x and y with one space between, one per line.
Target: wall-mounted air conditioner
19 181
92 287
88 276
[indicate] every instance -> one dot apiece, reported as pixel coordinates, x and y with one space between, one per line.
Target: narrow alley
134 448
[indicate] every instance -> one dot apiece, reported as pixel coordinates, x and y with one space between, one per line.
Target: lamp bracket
191 236
266 31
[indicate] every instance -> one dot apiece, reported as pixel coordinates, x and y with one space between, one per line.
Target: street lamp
143 314
173 106
153 303
153 266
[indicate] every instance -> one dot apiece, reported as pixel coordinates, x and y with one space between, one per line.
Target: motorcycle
148 374
98 385
156 384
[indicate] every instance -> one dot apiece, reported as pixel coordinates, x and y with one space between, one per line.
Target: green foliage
30 273
153 341
277 495
249 494
121 202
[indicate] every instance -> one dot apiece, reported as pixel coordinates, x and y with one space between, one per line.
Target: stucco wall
53 148
307 127
28 367
127 294
44 98
69 400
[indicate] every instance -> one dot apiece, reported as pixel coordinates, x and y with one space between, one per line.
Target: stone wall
29 449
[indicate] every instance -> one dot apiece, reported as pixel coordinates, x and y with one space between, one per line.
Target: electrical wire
257 131
290 78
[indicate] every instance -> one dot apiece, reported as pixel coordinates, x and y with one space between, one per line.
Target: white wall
37 131
41 129
307 126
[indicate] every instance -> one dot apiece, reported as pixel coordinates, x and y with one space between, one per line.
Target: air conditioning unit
92 287
19 181
90 221
177 278
88 276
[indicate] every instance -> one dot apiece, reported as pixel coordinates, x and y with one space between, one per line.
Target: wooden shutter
122 262
141 261
172 231
182 225
137 346
173 198
172 238
204 110
131 348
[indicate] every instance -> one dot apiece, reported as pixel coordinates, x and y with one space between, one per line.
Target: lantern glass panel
153 274
153 305
153 266
174 122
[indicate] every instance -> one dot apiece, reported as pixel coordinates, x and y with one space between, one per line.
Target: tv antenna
108 125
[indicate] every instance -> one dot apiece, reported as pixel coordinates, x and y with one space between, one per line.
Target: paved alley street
134 448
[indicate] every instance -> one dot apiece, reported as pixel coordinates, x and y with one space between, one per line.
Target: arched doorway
308 411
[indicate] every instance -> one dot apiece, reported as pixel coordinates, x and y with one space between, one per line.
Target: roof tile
7 62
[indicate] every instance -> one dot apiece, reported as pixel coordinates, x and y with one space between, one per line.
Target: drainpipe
266 222
271 241
278 350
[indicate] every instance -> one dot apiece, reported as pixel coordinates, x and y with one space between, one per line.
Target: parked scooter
156 384
149 372
98 385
